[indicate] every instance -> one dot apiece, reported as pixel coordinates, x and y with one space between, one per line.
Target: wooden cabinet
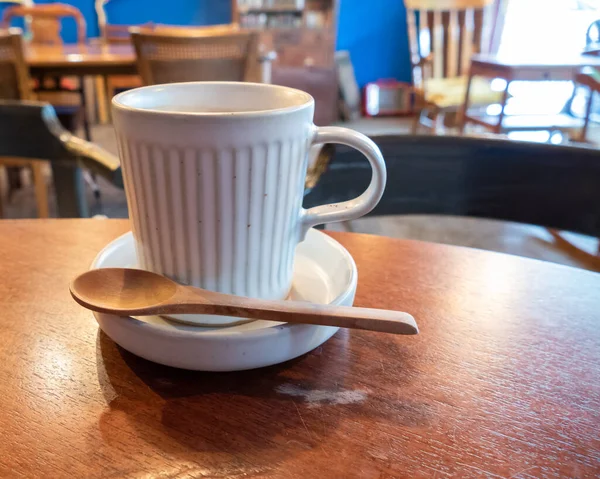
303 33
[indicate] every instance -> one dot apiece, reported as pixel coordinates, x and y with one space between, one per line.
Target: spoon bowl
121 289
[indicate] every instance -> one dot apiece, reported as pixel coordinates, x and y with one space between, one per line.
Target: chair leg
83 98
1 205
347 225
70 192
435 115
591 260
101 93
416 123
440 123
588 111
41 189
91 181
423 120
13 174
465 106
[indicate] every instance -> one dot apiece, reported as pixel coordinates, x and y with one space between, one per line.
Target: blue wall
374 31
131 12
171 12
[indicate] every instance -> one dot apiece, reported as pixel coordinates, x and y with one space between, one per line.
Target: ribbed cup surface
224 219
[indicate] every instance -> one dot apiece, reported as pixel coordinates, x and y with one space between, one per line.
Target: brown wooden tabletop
92 59
551 66
503 381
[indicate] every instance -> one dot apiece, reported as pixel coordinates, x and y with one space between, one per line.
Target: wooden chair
191 56
15 84
186 30
30 132
119 34
443 34
44 25
45 21
589 77
553 186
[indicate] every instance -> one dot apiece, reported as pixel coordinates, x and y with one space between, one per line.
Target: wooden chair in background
45 21
30 132
108 87
443 34
589 77
112 34
44 25
15 84
188 56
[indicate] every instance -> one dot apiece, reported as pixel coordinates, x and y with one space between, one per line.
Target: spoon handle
189 301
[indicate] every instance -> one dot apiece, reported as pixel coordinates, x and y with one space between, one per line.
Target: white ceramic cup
214 174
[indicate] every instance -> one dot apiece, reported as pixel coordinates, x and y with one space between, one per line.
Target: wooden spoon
134 292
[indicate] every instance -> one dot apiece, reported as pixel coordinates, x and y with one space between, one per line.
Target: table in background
93 59
84 61
89 60
545 67
503 380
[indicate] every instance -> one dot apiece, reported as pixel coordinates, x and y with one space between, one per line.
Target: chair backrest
14 73
189 56
554 186
447 32
31 130
111 33
45 21
186 30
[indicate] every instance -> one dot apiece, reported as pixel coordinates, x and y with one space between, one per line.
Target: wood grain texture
90 59
502 382
15 83
166 56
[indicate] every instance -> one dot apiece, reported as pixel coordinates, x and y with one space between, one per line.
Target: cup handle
361 205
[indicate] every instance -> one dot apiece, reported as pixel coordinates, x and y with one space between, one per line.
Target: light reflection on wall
559 29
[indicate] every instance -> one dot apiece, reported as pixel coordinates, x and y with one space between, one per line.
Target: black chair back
546 185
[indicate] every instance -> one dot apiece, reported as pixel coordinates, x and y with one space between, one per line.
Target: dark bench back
541 184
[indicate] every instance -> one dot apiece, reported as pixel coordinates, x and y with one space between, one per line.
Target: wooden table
86 60
503 380
89 60
81 60
542 67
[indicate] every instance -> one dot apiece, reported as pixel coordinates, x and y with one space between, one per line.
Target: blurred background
516 70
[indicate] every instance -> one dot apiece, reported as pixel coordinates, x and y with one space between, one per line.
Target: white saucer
324 272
